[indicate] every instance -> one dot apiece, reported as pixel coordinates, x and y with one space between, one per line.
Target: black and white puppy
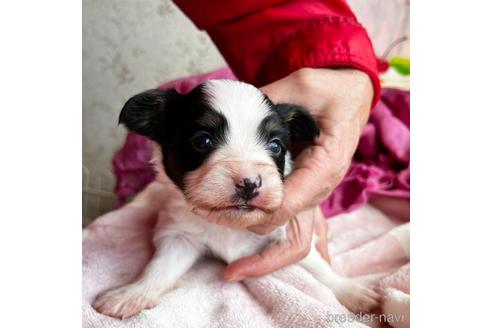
225 146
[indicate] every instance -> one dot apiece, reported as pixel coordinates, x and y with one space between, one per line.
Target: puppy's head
225 144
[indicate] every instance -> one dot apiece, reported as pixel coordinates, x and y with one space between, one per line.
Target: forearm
263 41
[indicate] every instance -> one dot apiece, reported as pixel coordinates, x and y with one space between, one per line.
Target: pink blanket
363 243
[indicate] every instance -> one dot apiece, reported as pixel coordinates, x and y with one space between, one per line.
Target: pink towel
117 246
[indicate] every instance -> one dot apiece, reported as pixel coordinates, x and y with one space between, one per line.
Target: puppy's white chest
230 244
223 242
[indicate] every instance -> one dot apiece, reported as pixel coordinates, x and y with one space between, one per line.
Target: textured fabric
380 165
131 165
117 246
263 41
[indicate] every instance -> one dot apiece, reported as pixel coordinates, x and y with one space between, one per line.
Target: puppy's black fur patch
144 112
301 125
172 120
272 127
290 124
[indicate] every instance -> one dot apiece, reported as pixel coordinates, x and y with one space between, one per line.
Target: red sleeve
265 40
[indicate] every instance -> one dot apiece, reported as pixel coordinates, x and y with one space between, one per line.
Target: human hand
340 101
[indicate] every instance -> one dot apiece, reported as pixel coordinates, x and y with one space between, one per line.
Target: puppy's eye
202 141
275 146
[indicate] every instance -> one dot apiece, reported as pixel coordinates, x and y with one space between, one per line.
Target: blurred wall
130 46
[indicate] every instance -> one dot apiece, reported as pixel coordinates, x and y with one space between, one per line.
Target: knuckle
288 213
303 249
303 76
303 252
261 230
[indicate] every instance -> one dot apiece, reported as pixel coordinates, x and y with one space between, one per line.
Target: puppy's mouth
242 208
234 210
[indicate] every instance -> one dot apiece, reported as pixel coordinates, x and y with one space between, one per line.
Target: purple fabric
131 167
381 162
380 165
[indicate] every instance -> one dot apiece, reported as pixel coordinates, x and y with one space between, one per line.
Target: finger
275 256
262 229
268 260
275 220
304 188
278 91
307 185
321 232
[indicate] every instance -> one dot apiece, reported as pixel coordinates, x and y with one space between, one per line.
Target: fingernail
234 278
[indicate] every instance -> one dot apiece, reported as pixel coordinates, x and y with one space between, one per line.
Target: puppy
225 146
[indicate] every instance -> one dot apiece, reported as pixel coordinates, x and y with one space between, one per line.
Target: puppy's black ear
145 113
302 125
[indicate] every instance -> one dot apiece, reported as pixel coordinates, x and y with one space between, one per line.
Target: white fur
181 236
244 107
396 304
355 296
402 234
241 156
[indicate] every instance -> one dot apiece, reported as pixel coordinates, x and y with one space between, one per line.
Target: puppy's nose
247 188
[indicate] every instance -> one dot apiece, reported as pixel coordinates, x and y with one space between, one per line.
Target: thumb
278 91
302 189
270 259
278 255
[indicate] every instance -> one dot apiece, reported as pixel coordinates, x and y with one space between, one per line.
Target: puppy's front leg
173 257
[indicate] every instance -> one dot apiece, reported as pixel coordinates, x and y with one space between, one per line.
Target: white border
40 135
451 147
41 138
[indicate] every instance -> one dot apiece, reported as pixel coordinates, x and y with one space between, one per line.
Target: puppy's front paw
357 298
124 302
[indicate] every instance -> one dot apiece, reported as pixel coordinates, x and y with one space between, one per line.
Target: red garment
265 40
